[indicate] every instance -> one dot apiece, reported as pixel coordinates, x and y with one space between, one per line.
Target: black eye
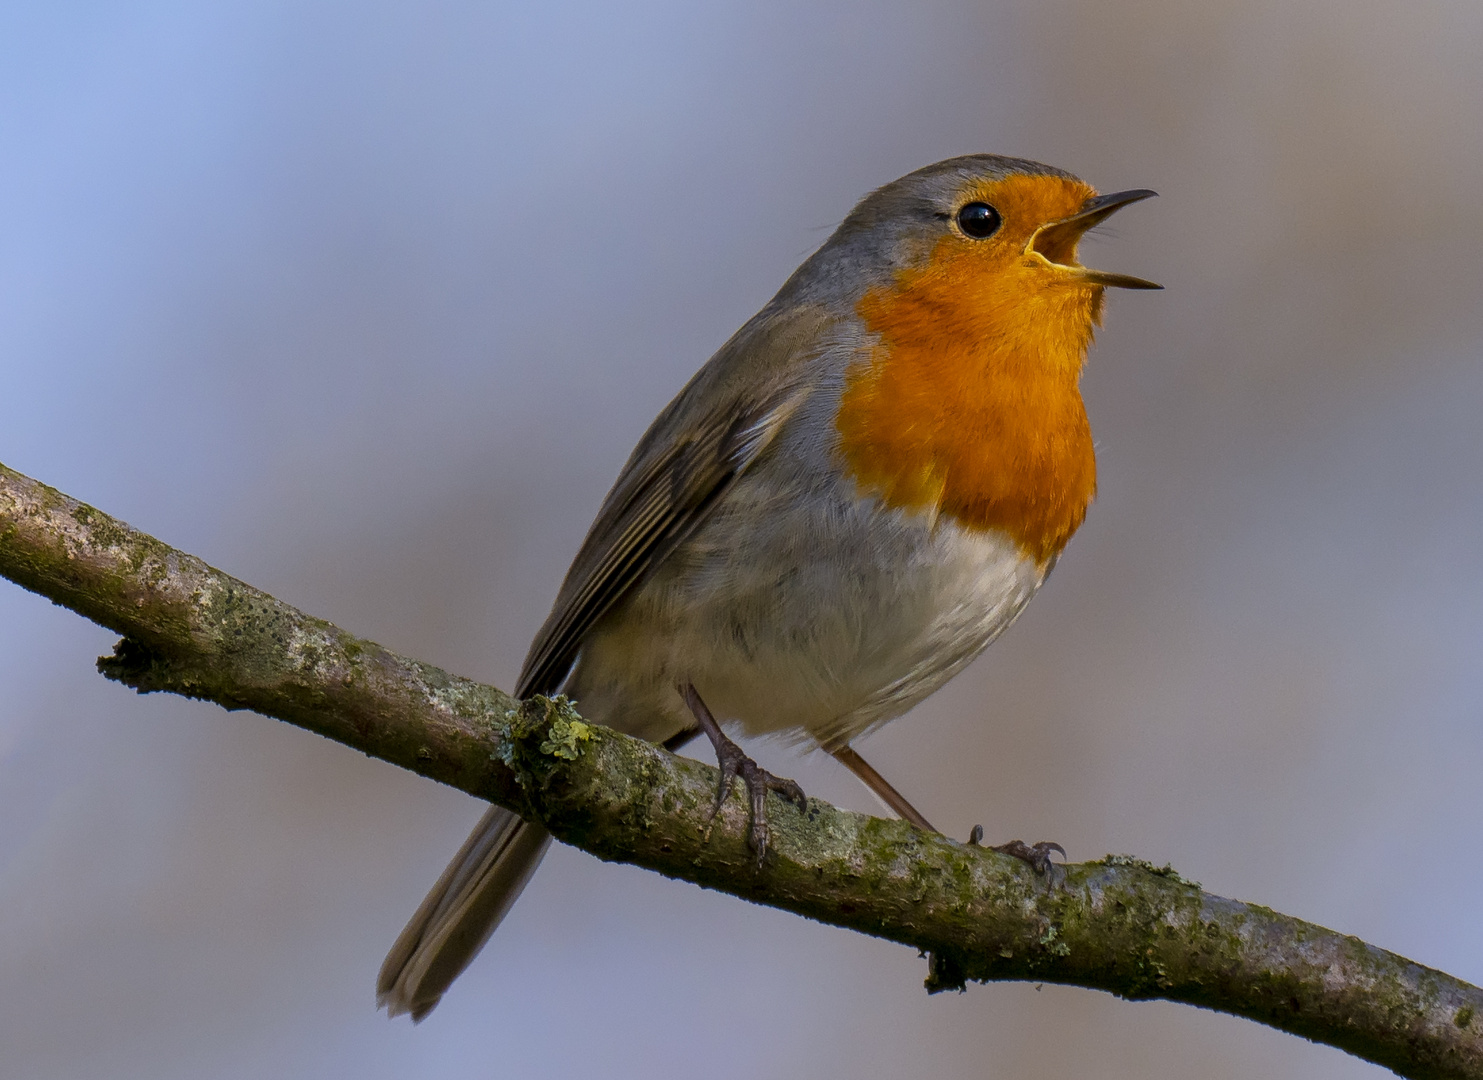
979 220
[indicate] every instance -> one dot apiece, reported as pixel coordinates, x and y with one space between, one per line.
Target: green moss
1165 871
1052 943
104 531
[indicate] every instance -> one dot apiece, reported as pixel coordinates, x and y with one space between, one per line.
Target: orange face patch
969 405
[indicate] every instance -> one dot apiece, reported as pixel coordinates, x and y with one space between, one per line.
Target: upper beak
1059 238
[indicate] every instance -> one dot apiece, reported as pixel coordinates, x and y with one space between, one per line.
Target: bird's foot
1036 855
759 782
734 762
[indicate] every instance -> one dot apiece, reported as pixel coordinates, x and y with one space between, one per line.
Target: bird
840 510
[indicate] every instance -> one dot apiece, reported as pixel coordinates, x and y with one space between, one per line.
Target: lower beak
1056 242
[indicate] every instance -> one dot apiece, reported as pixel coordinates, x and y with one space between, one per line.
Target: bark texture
1118 924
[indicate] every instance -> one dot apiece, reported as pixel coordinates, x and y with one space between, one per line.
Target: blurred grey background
365 303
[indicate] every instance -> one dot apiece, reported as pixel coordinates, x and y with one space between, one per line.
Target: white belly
871 646
826 628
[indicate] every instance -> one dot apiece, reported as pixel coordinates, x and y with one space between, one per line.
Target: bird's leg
850 759
734 763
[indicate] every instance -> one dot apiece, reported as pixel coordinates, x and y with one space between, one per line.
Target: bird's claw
1037 856
733 763
759 782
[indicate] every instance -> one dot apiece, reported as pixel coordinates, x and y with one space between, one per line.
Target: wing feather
680 469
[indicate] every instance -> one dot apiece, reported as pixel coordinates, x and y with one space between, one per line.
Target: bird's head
984 248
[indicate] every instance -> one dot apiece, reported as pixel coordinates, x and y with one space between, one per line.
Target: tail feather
460 912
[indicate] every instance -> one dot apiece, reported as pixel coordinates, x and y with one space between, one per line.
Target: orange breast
969 405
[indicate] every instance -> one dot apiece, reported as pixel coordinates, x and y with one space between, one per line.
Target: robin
856 495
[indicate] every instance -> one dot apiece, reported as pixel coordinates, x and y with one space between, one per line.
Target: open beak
1056 242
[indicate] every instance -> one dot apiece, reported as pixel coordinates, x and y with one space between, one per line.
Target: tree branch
1117 924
